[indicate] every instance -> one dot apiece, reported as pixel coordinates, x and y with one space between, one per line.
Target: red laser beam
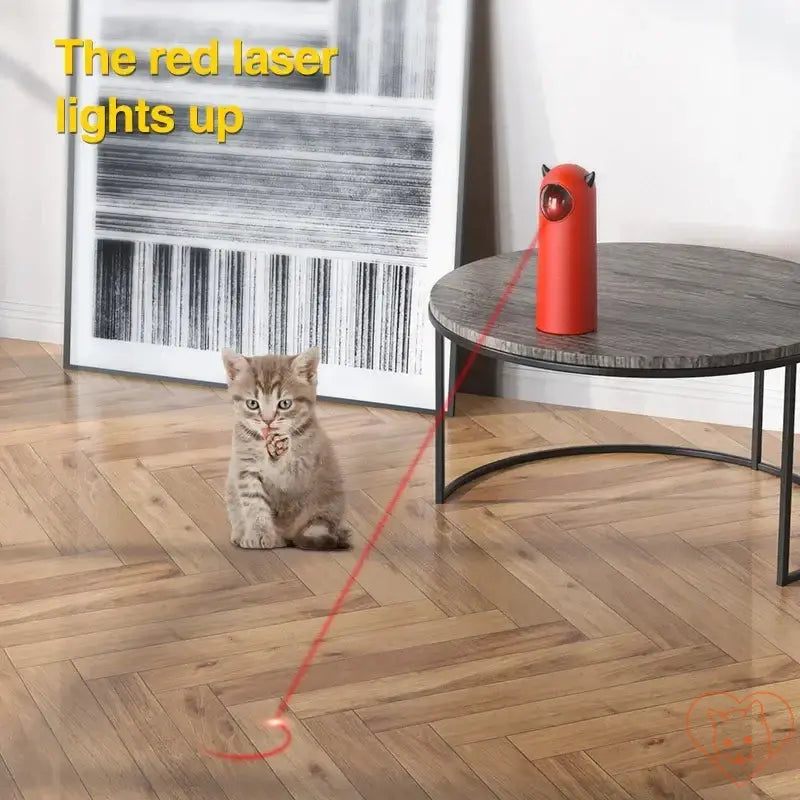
277 721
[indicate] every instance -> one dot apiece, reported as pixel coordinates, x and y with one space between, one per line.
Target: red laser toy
566 290
277 721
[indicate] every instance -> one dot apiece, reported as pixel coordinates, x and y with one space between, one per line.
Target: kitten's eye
251 404
284 404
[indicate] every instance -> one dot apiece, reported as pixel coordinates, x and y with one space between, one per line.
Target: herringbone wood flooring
542 637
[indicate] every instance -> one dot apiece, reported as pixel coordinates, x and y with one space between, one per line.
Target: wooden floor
543 636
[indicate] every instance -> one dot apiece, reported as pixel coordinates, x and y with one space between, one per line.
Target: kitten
284 485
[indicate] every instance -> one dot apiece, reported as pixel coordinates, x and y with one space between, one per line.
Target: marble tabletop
661 308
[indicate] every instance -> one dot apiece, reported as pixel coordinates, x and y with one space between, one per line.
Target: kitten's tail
343 538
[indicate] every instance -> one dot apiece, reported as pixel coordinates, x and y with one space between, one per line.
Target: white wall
32 170
688 111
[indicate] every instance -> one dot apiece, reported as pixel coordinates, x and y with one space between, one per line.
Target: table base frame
785 471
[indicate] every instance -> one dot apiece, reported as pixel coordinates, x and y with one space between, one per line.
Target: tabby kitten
284 485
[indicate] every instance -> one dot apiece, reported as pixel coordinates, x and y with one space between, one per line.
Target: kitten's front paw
258 535
277 445
257 541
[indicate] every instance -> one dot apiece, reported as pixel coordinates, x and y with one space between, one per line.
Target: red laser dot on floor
277 721
274 722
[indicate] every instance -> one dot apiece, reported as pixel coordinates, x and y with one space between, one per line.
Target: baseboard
726 400
35 323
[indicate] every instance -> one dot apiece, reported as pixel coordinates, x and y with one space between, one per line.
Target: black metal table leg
787 464
439 437
451 408
758 419
784 471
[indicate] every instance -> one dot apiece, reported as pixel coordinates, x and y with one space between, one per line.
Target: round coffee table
664 311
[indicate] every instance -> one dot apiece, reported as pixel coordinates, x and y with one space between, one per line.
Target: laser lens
556 202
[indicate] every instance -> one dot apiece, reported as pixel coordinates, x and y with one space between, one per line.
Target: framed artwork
324 221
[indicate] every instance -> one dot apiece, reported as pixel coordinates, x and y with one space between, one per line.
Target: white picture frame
162 226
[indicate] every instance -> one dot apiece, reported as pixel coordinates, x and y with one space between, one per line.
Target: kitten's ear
715 716
306 364
755 709
234 364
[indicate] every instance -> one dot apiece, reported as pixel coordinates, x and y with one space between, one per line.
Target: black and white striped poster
323 222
